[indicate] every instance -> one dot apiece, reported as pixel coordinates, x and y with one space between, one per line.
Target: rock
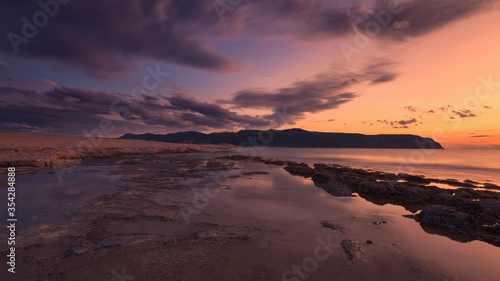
301 169
491 207
453 182
414 195
336 188
461 204
491 186
413 179
369 242
471 182
377 189
275 162
320 177
449 219
255 173
352 249
384 176
461 211
333 226
495 229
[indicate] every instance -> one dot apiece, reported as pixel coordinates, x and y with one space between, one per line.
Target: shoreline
464 214
258 209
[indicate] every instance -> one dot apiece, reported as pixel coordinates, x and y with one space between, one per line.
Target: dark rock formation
301 169
464 211
450 219
474 214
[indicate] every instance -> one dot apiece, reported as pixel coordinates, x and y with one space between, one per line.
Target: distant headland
294 138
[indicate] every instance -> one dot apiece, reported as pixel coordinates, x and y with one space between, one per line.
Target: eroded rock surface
472 213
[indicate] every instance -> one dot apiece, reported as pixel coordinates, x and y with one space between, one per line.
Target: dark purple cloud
296 100
214 112
106 38
419 17
324 91
64 109
69 111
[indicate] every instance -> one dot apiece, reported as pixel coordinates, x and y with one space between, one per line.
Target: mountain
294 138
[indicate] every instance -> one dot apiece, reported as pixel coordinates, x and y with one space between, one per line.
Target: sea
477 164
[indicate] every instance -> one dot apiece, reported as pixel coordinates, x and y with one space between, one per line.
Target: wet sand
201 216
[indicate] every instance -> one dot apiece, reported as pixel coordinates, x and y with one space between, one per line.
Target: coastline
168 220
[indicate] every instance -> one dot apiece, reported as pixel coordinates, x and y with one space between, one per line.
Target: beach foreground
138 210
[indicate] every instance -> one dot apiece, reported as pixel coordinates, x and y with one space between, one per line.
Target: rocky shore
168 219
463 214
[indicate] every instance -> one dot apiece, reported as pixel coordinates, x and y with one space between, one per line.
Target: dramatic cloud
295 101
318 19
106 38
213 112
64 109
69 110
419 17
324 91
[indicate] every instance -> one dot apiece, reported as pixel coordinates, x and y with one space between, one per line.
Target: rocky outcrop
301 169
463 211
450 219
473 213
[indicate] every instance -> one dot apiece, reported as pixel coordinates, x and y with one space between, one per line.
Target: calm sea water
482 165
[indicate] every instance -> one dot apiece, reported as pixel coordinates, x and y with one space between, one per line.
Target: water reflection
42 199
296 204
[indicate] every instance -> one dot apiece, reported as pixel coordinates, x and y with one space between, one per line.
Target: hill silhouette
294 138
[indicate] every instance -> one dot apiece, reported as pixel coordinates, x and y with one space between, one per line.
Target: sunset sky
424 67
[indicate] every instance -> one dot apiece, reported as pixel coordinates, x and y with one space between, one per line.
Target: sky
106 68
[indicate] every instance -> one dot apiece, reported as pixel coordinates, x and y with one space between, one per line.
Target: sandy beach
141 210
